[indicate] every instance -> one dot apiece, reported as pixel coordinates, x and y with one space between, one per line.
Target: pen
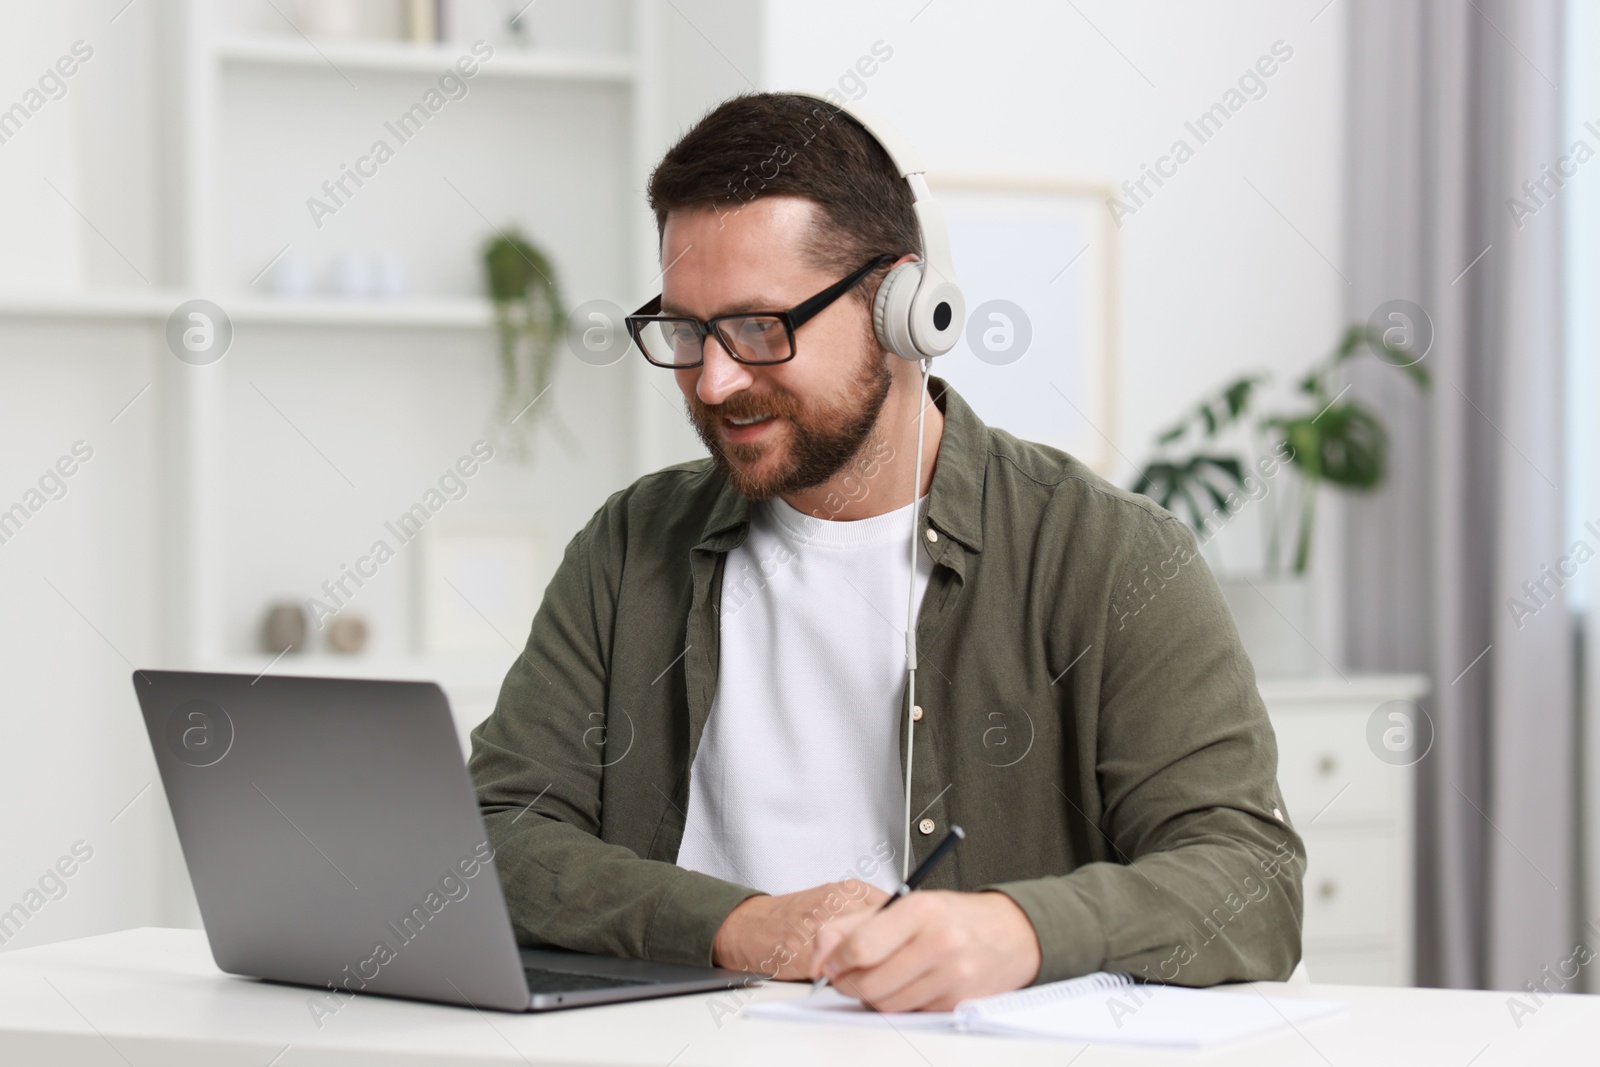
924 869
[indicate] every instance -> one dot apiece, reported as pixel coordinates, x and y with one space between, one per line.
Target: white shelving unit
261 108
556 138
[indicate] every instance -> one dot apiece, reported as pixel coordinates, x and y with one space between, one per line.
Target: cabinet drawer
1353 888
1323 756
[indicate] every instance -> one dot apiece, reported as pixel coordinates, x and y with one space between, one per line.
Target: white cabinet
1346 754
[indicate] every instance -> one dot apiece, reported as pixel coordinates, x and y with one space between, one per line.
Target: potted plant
1333 439
529 318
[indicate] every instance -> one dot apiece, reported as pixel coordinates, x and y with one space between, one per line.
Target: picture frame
480 582
1048 247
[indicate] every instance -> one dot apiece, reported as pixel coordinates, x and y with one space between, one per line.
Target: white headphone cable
911 614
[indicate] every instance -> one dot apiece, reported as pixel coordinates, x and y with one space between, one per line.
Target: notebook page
831 1006
1143 1015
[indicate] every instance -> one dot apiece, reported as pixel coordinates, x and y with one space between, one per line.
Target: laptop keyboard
540 981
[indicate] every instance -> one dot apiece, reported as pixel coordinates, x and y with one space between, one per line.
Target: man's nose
721 375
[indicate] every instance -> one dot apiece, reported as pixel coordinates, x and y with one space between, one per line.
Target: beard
822 439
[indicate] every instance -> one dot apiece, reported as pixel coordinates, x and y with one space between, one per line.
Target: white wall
79 598
34 217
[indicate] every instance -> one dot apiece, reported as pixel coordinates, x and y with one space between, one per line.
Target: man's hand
933 949
776 936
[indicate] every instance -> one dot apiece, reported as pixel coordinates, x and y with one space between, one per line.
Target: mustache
744 406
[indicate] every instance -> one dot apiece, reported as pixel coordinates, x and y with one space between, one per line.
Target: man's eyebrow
741 307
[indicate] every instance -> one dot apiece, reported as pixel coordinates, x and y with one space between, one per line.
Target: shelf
459 313
442 312
398 57
148 304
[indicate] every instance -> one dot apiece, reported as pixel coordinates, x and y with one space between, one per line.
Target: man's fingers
927 990
829 936
884 986
880 935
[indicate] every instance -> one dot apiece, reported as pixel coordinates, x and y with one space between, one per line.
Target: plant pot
1273 615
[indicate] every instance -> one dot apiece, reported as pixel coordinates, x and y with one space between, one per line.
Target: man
699 755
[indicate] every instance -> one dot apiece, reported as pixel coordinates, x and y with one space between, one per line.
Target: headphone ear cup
891 310
936 316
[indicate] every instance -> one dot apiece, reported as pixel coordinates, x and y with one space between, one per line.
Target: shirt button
1276 814
926 826
916 713
933 535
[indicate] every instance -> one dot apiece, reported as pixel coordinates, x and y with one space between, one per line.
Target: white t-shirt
797 780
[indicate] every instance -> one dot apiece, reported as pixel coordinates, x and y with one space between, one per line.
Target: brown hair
766 144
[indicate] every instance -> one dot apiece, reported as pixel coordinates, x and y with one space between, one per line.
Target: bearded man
699 755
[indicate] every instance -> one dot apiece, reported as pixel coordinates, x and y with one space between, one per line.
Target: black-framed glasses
757 338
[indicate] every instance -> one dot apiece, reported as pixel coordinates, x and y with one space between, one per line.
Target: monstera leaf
1202 476
1167 482
1215 413
1345 444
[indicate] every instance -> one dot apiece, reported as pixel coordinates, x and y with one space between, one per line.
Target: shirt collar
955 499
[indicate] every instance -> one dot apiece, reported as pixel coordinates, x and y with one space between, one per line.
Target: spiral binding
999 1005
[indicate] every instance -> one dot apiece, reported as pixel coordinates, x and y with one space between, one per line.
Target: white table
153 996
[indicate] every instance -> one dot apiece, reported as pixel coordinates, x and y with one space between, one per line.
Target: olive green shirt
1089 718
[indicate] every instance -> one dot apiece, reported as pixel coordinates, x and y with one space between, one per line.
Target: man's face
813 412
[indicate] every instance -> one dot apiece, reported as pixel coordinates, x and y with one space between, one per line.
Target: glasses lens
755 338
673 342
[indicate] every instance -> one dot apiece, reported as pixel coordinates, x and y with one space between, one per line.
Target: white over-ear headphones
919 310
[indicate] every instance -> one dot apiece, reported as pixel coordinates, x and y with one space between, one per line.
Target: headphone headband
919 310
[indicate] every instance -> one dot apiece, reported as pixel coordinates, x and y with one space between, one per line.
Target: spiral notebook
1105 1008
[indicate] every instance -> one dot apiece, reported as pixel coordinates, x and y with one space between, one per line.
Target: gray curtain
1452 105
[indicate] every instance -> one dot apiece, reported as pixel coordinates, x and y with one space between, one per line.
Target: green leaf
1157 481
1170 483
1225 463
1199 522
1345 444
529 317
1238 395
1417 372
1354 338
1353 446
1304 439
1216 495
1172 434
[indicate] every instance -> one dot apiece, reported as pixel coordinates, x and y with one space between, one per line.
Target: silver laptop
333 837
